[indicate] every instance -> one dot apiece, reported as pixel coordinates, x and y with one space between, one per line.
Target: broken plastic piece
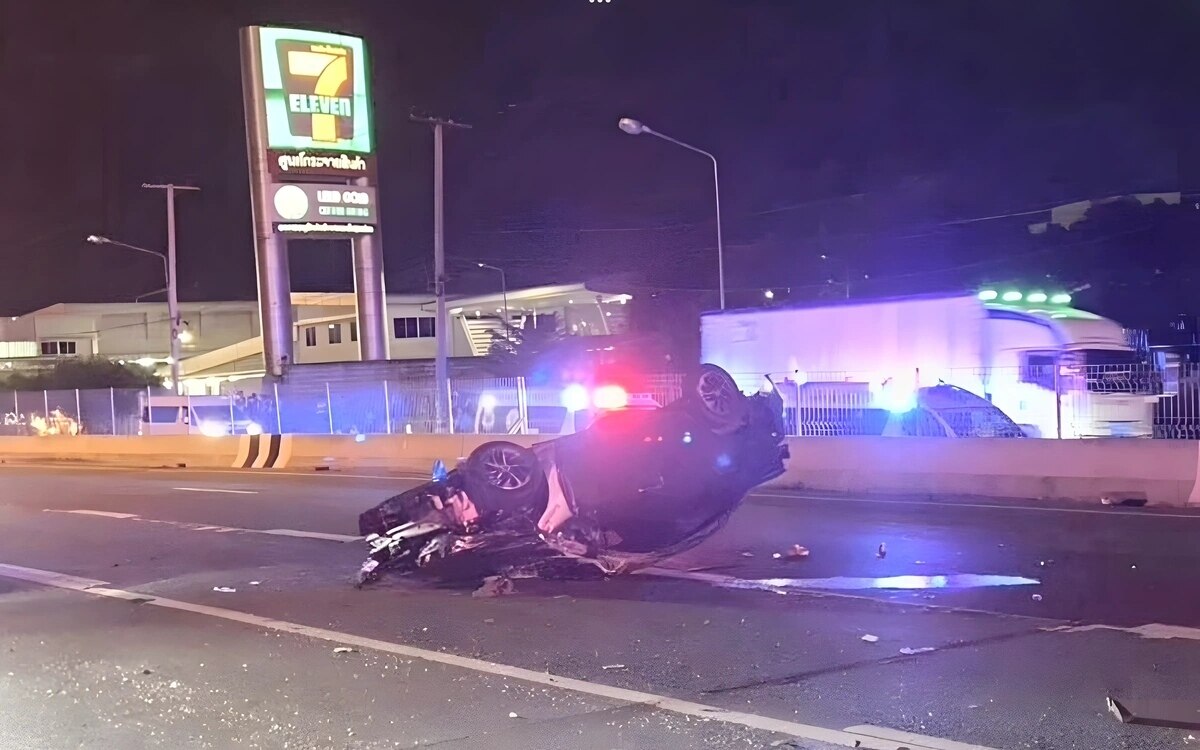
1037 597
613 667
513 715
923 650
1176 714
345 650
1128 500
870 638
224 589
494 586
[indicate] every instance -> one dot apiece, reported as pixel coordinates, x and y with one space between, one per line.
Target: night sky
874 133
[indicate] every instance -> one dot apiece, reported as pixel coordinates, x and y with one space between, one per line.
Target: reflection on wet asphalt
851 583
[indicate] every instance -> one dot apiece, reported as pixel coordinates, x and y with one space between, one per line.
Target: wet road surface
1033 616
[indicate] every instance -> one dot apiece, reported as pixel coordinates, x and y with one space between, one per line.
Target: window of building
58 348
160 414
413 328
335 333
310 336
354 330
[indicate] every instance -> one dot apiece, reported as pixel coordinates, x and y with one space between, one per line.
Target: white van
213 416
551 411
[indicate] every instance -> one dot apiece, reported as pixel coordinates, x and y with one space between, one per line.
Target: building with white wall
221 341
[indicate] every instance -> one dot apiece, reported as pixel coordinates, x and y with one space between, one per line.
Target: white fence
1046 400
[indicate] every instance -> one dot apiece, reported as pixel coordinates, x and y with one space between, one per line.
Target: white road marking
845 738
1148 513
101 513
1152 631
187 525
310 535
215 489
908 739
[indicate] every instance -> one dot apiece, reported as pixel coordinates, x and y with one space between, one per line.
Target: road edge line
545 679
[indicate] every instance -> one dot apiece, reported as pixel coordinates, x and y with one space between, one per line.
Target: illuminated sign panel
322 208
320 202
315 91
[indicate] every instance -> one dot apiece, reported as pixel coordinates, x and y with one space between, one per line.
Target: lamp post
441 367
172 298
636 127
503 292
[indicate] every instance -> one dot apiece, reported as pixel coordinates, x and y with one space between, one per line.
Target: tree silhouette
82 374
517 352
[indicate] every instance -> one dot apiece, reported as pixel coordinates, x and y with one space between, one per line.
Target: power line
932 271
791 207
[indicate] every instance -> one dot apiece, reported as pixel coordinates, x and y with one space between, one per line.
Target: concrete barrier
403 453
1164 472
149 451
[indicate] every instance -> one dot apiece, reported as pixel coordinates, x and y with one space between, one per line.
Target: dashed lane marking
189 526
215 489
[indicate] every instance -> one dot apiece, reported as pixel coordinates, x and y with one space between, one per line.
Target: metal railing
1043 400
108 411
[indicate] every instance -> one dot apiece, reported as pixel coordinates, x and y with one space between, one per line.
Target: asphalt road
112 632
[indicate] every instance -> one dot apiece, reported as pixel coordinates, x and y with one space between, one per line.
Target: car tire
717 398
505 475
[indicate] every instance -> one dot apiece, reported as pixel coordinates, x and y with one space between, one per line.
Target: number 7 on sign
331 71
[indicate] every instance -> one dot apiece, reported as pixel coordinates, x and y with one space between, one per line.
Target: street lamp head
96 239
631 126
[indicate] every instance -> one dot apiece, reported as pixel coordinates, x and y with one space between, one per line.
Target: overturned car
635 487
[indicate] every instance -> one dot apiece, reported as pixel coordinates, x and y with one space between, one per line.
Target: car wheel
509 474
718 398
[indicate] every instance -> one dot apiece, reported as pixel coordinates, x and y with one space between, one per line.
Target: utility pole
441 372
172 278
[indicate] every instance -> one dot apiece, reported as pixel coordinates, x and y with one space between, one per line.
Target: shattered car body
634 488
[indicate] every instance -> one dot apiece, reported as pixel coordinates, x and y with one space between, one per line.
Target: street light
172 299
637 127
503 292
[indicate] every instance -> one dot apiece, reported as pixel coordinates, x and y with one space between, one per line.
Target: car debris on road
494 586
1171 713
634 488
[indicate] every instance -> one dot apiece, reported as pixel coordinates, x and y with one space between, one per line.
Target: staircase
480 333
